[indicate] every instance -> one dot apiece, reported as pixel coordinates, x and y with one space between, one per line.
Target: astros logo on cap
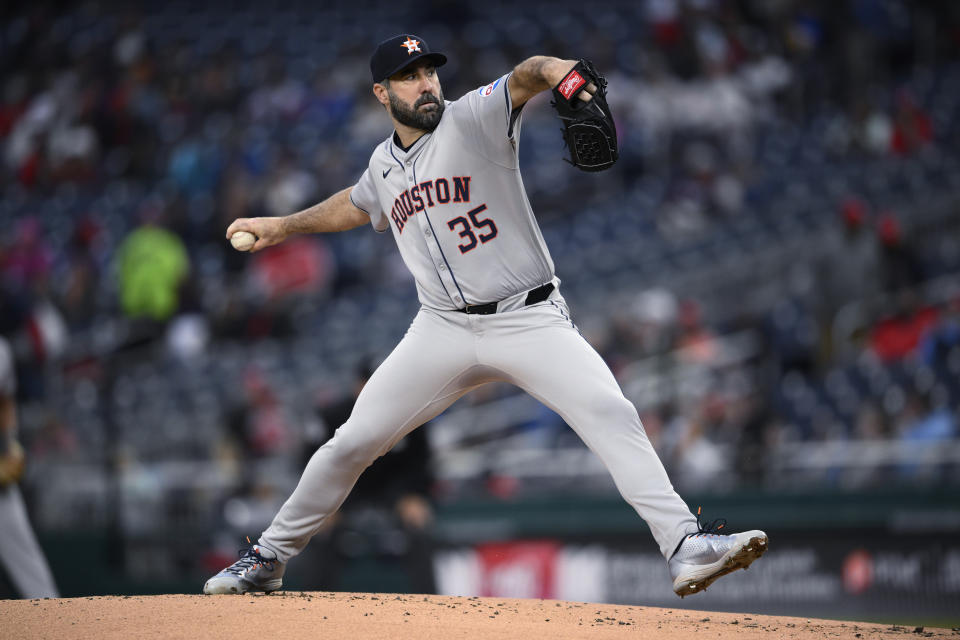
411 45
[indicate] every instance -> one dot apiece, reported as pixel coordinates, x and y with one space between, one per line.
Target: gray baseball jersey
456 205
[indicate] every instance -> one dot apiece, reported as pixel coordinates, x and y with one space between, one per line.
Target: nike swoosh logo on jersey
387 171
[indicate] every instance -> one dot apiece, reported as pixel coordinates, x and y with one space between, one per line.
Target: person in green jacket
151 264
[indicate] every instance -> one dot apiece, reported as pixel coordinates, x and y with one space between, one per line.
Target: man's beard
416 118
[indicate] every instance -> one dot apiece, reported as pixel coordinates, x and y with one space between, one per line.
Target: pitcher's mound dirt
355 616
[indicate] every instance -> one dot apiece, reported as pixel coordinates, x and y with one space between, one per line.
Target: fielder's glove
588 128
11 464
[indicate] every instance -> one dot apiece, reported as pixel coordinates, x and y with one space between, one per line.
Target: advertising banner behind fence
823 573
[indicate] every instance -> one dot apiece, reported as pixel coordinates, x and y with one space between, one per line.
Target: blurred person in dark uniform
388 515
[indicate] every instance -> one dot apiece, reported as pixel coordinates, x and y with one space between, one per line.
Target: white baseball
243 240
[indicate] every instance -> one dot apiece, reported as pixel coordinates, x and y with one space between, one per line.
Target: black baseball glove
588 128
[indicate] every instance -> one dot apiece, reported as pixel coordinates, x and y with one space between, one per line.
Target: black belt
534 296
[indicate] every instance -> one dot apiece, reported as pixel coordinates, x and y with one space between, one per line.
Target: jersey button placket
433 247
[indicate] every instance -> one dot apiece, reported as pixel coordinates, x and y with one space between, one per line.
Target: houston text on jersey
429 193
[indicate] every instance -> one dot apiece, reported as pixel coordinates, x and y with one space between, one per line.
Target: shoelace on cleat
709 529
250 559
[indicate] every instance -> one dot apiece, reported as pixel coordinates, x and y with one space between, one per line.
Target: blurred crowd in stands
789 175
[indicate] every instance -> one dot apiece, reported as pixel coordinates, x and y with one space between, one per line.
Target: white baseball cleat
707 555
256 570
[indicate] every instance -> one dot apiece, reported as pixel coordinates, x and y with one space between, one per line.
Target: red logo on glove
570 84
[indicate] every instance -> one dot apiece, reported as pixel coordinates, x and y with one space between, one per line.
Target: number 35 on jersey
474 229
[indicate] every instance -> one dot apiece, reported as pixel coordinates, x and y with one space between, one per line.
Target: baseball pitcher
447 186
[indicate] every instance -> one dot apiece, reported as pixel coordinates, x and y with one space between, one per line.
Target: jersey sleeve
364 197
487 112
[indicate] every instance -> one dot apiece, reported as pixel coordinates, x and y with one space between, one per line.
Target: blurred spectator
693 453
913 128
899 266
873 128
921 421
943 338
695 342
260 423
151 265
195 166
301 267
850 272
188 335
26 263
290 189
38 337
648 325
72 152
898 335
80 285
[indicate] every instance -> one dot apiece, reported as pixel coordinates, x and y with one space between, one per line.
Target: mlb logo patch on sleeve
490 88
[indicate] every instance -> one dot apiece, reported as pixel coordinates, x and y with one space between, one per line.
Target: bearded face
418 116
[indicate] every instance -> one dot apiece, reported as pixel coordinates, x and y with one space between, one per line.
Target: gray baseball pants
445 354
20 553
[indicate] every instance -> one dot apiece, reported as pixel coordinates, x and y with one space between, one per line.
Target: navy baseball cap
397 52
